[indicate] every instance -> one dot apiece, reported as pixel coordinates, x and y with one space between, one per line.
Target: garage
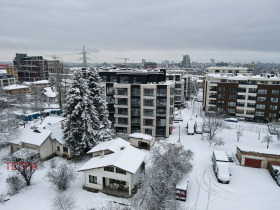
253 162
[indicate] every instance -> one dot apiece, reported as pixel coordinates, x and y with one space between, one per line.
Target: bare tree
219 141
25 162
61 176
239 133
63 201
268 139
213 123
157 190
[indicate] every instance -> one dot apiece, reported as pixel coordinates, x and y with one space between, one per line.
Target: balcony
213 96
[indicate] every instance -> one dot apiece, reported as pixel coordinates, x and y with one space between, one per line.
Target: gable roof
129 158
27 135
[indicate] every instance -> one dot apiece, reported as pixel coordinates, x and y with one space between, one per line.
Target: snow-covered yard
249 188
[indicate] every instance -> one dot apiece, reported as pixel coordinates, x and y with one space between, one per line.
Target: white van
221 166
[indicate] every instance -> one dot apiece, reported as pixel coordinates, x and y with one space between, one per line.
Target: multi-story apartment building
225 69
6 79
31 68
255 98
11 70
139 101
179 87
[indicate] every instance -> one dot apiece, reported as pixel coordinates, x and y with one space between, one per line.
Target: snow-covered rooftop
142 136
258 150
50 92
27 135
14 87
124 156
221 155
41 82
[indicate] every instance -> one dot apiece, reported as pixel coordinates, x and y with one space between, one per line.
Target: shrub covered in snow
15 183
61 176
63 201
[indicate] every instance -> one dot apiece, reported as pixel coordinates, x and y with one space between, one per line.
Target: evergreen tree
97 93
82 123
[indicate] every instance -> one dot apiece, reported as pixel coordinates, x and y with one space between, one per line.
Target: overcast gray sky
157 30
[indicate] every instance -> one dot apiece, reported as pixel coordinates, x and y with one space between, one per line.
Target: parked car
221 166
274 169
190 129
231 119
198 128
230 156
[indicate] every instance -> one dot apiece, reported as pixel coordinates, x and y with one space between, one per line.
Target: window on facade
231 104
109 168
240 111
221 95
113 78
262 91
220 109
178 92
122 121
242 90
122 101
161 102
223 80
148 131
160 132
250 112
109 90
148 92
149 112
92 179
177 78
161 92
58 148
260 106
232 97
65 149
273 115
275 82
177 98
222 89
135 91
122 111
171 111
104 78
241 104
274 99
161 122
122 91
148 122
124 79
177 85
171 91
232 89
252 98
148 102
275 92
110 99
252 105
161 112
135 112
241 97
135 102
221 103
171 101
259 113
273 107
253 90
120 171
261 98
137 80
231 110
117 181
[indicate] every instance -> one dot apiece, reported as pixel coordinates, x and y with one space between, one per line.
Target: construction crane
125 60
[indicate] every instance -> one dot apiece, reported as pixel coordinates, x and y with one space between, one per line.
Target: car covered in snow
190 128
221 166
198 128
231 119
230 156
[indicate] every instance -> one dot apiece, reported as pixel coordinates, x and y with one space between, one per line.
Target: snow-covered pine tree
82 123
97 93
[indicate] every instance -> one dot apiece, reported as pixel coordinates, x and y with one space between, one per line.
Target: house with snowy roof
45 139
114 169
142 141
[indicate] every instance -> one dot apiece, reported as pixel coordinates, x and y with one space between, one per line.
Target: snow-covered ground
249 188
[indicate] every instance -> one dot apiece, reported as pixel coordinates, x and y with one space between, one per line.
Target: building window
122 91
232 89
117 182
109 168
148 102
161 112
253 90
221 95
231 104
250 112
58 148
122 101
231 110
171 101
241 104
274 99
240 111
161 102
260 106
65 149
135 112
122 111
261 98
148 131
177 92
120 171
273 107
92 179
109 90
252 105
222 89
135 102
252 98
113 78
272 115
177 85
220 109
148 92
124 79
275 92
149 112
262 91
135 91
232 97
161 122
123 121
259 113
221 103
162 92
148 122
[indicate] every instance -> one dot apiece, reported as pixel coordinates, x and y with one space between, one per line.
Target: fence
249 128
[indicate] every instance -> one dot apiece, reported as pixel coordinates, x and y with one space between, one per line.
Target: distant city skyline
231 31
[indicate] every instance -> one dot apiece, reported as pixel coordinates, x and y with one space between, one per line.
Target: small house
142 141
256 157
114 169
